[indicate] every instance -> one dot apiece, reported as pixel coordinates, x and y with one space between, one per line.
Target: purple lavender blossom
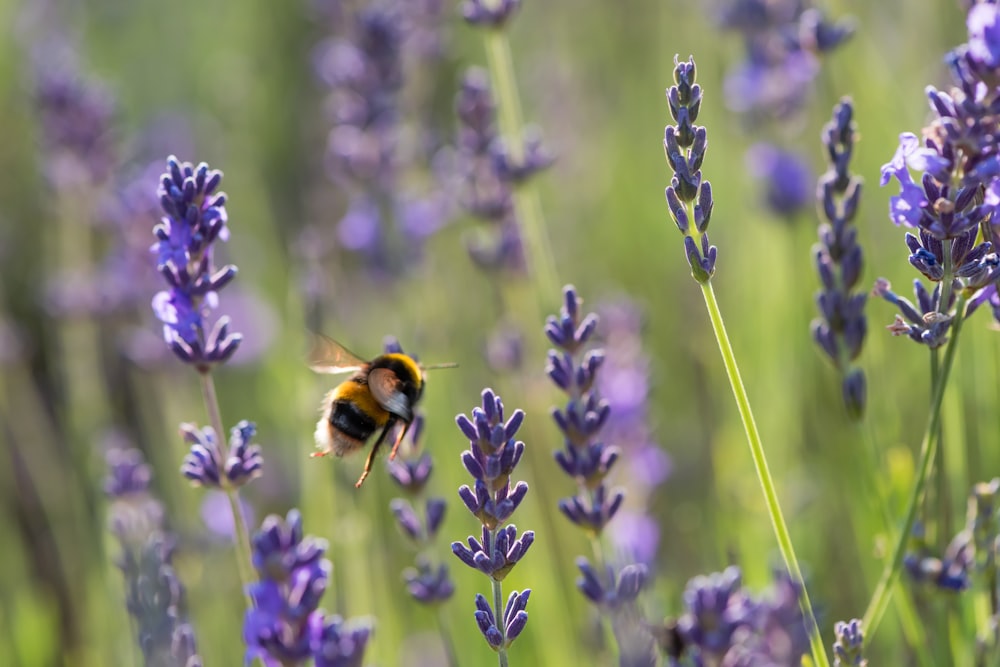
724 625
487 176
365 74
285 627
848 649
492 456
427 584
76 116
783 41
684 145
195 218
787 178
585 455
205 465
154 595
956 192
842 326
970 559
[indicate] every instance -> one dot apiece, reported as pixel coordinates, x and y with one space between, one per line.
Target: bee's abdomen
348 418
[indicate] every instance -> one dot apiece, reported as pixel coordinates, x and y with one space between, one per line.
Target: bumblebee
379 394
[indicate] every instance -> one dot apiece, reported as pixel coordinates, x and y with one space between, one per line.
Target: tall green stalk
244 560
763 472
883 591
536 240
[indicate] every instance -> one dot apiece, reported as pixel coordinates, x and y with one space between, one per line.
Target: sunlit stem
244 561
763 473
537 247
883 591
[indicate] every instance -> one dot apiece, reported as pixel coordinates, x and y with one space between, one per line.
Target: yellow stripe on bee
361 396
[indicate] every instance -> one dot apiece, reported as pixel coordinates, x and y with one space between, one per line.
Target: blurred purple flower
154 595
76 117
788 180
207 465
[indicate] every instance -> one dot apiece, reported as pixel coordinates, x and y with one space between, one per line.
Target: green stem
883 591
763 473
909 620
537 246
498 615
244 561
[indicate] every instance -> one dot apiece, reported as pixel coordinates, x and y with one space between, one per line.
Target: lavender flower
195 218
154 595
783 41
585 456
76 116
588 459
285 627
848 649
491 459
365 74
970 559
723 624
684 145
787 178
486 186
411 470
957 191
205 466
841 328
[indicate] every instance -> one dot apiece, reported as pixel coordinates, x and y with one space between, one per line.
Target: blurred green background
591 75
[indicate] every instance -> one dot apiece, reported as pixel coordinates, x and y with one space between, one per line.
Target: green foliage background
592 75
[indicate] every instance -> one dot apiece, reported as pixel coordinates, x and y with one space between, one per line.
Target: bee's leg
371 454
399 439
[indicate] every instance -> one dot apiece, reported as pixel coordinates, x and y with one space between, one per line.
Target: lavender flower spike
491 459
153 593
205 465
841 328
285 627
689 198
848 650
195 218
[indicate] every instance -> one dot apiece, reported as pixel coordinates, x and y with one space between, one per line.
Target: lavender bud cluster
724 624
841 328
848 649
154 595
585 456
488 175
957 192
76 117
684 145
783 41
492 456
489 14
588 459
970 559
195 219
205 464
285 626
427 582
365 74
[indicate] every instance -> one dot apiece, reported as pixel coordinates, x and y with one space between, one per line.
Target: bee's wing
384 385
328 356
